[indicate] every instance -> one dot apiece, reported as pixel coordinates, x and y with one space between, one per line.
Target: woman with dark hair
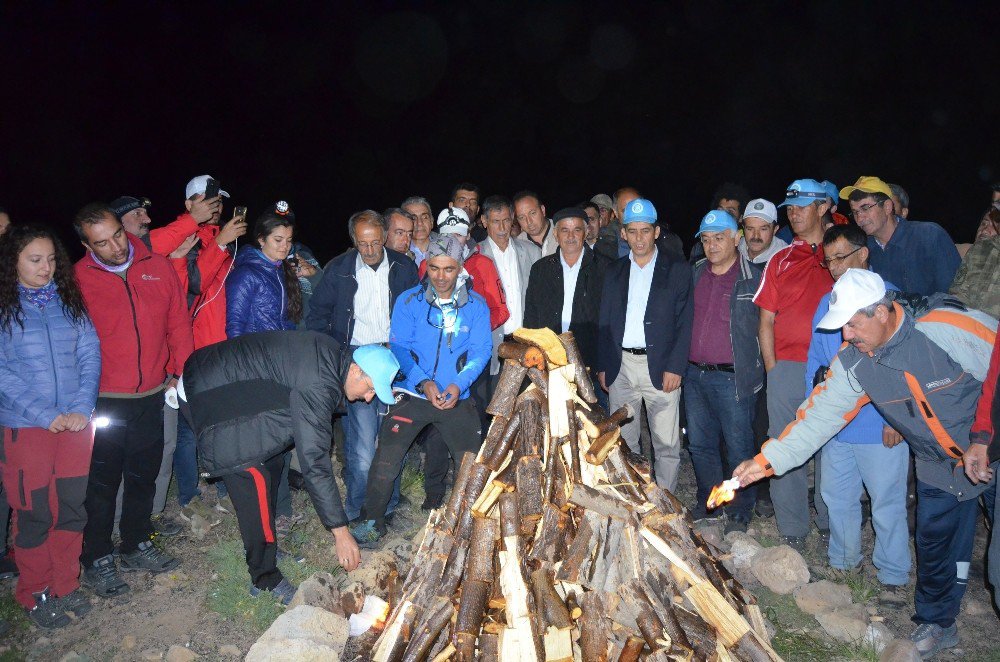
50 366
263 292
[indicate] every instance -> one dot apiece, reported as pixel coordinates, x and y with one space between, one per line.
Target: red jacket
486 283
208 307
166 239
984 427
141 320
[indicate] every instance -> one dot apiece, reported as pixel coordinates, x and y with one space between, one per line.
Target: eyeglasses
829 261
369 245
449 315
864 209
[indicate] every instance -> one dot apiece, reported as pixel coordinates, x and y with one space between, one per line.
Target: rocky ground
203 609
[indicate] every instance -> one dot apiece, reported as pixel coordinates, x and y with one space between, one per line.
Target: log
573 606
510 516
533 423
594 632
471 612
699 633
529 492
454 569
539 379
624 478
450 517
547 341
574 443
525 355
597 424
549 544
478 477
633 647
493 435
489 647
495 460
581 549
508 386
426 633
392 643
482 546
445 654
552 610
599 501
584 386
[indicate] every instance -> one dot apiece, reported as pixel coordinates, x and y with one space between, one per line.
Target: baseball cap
868 185
717 221
603 200
831 190
198 185
856 289
381 365
446 245
639 210
804 192
570 212
126 203
453 220
761 208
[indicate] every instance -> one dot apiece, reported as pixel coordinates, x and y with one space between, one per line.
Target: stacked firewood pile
556 545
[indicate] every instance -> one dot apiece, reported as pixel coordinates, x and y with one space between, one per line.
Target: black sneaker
103 579
893 597
764 508
165 525
148 556
8 569
284 591
75 602
366 534
47 613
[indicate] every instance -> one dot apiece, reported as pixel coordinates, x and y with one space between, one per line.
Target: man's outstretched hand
348 554
749 472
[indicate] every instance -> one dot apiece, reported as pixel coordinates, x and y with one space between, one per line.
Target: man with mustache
760 221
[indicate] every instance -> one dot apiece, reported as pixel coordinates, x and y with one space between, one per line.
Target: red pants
46 478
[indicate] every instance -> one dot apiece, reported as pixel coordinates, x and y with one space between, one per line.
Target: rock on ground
845 623
376 572
822 596
879 636
900 650
320 589
712 532
781 569
178 653
302 634
229 650
742 548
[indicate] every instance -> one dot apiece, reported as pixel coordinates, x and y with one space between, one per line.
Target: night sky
344 106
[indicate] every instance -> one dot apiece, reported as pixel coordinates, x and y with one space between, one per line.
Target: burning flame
374 614
723 493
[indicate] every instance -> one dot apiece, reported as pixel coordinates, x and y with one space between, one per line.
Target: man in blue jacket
441 336
866 454
353 304
644 336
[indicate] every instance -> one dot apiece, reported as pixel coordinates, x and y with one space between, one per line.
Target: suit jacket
668 319
544 300
527 254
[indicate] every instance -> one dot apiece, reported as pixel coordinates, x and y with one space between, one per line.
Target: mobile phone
212 189
240 211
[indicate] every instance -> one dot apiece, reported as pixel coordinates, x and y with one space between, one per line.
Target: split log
489 647
558 645
582 548
507 389
598 501
529 492
574 443
603 445
699 633
582 379
623 478
539 379
450 517
526 355
547 341
482 545
594 631
664 501
551 609
506 442
471 611
597 424
392 643
427 630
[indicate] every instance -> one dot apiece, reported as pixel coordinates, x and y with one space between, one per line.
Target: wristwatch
420 386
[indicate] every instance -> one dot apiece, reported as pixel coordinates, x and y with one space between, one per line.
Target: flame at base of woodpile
555 545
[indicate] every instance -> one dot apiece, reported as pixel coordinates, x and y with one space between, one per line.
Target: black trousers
254 492
459 428
129 449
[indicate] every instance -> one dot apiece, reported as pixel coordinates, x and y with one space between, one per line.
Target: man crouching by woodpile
248 399
440 333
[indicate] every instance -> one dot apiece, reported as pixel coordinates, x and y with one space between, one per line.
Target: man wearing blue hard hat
644 335
248 399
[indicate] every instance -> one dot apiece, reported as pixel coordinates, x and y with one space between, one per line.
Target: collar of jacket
140 253
903 330
460 295
746 271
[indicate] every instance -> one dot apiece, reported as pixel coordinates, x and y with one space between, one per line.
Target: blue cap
804 192
717 221
832 191
381 365
639 210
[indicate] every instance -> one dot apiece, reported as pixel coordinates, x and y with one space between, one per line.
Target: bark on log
482 547
505 444
450 516
583 384
527 355
529 492
478 478
493 436
594 631
550 607
539 379
507 389
533 423
548 545
489 647
454 569
599 502
581 549
633 648
510 516
574 443
439 613
469 622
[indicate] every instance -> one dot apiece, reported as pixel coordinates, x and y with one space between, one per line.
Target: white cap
856 289
761 208
198 185
453 220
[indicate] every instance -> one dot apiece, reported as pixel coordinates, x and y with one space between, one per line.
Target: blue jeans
714 418
946 528
849 468
360 440
186 463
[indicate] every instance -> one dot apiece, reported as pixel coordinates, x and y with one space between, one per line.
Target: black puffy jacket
250 397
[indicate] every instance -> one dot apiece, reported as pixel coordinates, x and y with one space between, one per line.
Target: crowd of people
824 352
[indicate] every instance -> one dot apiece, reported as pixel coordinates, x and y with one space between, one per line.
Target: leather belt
638 351
714 367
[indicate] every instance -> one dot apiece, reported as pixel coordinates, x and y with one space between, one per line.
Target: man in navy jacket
353 303
644 336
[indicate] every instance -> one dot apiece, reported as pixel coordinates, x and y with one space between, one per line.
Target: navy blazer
668 320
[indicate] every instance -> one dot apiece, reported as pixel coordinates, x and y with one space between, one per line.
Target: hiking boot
47 613
8 569
764 508
284 591
103 579
893 597
930 638
165 525
366 534
148 556
75 602
798 543
197 507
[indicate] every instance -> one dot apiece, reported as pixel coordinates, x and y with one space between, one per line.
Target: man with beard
760 221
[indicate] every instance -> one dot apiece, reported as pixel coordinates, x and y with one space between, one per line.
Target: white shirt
570 275
639 281
371 302
507 269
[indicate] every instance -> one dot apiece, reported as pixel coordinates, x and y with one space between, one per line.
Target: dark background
338 107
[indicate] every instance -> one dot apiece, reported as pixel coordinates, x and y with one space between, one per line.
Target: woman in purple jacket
50 366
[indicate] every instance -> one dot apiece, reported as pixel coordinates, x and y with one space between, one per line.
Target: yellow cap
868 185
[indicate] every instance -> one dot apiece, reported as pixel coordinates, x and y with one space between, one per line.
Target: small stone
178 653
302 633
43 642
199 527
845 623
73 656
900 650
149 655
229 650
128 642
878 636
712 532
781 569
742 549
822 596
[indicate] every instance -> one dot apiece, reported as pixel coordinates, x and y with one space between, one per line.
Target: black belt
638 351
715 367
